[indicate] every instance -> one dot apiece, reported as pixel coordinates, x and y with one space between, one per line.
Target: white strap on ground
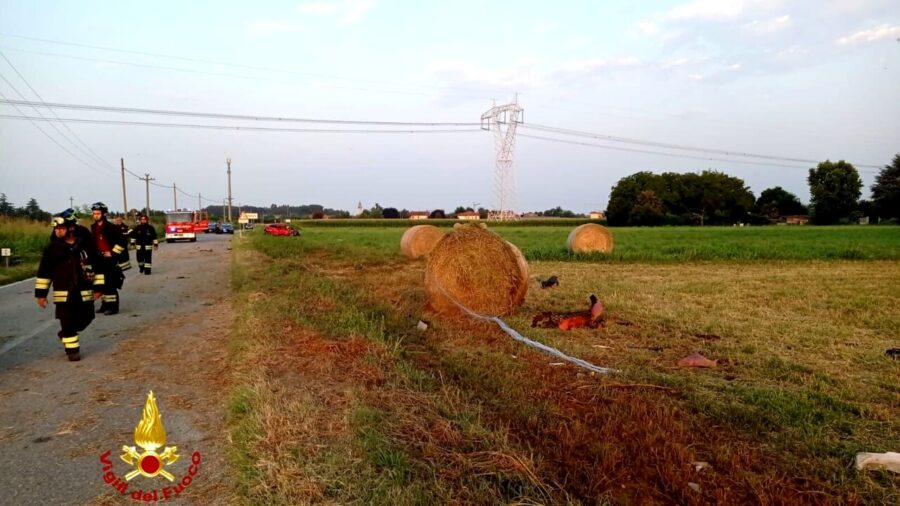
528 342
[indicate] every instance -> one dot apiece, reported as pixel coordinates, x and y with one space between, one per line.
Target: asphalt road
58 417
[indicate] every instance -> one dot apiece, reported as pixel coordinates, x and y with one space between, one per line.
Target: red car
280 229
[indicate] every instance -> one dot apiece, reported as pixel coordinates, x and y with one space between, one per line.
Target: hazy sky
806 79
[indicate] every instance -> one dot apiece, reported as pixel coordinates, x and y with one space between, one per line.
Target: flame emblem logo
150 435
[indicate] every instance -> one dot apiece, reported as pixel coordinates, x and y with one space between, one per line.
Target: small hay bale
419 240
589 238
478 269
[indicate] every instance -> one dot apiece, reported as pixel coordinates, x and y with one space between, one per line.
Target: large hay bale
478 269
420 240
589 238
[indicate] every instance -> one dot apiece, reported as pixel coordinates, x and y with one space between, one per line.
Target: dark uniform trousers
109 269
72 295
145 257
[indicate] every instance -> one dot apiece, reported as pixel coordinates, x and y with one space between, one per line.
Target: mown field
338 398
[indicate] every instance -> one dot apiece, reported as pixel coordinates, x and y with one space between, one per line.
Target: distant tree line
715 198
29 210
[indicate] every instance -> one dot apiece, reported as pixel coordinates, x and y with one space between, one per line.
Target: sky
806 80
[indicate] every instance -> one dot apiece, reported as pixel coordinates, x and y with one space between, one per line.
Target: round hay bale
419 240
589 238
478 269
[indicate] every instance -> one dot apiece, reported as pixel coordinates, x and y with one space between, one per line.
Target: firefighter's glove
42 301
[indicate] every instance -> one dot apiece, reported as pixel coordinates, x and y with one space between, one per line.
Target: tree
886 190
390 213
624 195
34 211
710 197
777 202
558 212
648 209
835 189
437 213
6 207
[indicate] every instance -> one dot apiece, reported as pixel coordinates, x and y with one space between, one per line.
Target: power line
661 153
90 151
250 128
626 140
164 112
34 122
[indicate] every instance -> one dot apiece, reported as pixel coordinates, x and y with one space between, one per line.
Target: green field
662 244
333 379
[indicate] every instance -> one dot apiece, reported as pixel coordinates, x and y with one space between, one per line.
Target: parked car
280 229
227 228
211 227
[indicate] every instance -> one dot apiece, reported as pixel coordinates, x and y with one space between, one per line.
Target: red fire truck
180 226
201 221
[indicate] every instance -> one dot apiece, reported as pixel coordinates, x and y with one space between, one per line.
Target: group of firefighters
85 265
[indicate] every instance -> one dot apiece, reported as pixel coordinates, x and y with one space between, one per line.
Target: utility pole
124 198
71 203
146 179
228 161
174 196
199 201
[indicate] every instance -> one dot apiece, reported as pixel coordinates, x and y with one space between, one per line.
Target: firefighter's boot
70 343
112 304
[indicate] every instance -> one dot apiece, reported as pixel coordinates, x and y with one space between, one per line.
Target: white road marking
19 340
16 283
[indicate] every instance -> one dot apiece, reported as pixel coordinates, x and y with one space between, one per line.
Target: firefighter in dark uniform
145 241
112 258
64 265
82 233
123 227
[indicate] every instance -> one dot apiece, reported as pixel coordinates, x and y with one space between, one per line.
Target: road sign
243 220
6 252
287 220
251 216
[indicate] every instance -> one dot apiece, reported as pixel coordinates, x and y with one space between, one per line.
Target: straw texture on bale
589 238
419 240
478 269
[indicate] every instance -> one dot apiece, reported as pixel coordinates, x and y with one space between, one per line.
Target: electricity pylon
502 121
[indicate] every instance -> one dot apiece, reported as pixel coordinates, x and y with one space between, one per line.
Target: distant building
796 219
598 215
418 215
359 209
468 215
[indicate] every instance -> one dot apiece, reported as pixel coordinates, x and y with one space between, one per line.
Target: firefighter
82 233
123 227
145 241
64 265
112 258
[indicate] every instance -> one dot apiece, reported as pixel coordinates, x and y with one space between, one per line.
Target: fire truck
185 224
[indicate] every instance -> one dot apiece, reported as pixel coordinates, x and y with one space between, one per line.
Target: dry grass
462 414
